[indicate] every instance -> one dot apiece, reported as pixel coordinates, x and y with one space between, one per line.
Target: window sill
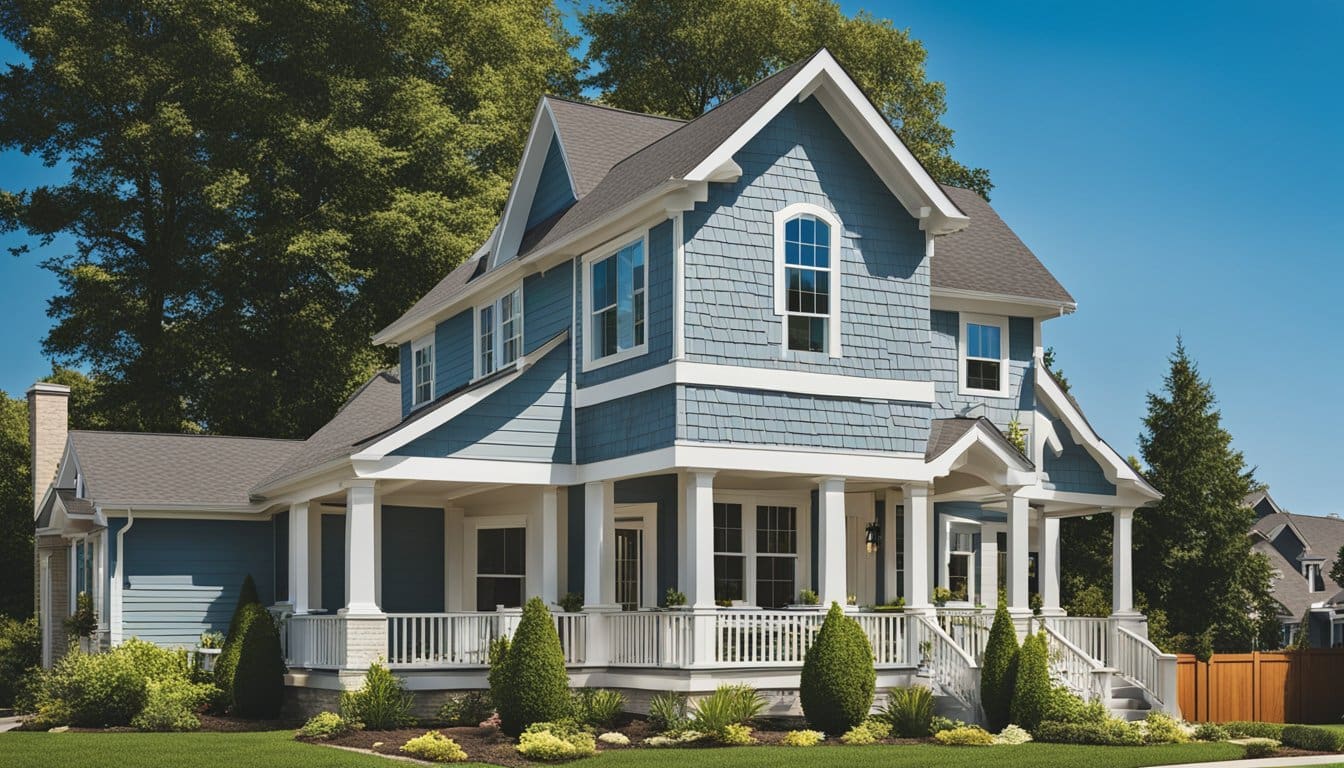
612 359
995 393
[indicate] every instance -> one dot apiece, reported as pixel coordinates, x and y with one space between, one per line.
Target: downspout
119 579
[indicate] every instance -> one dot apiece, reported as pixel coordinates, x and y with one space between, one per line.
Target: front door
629 565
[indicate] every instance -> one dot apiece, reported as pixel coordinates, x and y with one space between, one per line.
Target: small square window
983 368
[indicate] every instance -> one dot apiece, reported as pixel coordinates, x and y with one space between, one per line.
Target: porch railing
650 639
955 671
1082 674
968 627
463 639
1091 635
887 634
1141 661
314 642
768 638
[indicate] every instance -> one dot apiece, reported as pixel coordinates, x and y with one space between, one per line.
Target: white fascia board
1016 470
521 194
958 300
1113 465
825 79
458 470
746 377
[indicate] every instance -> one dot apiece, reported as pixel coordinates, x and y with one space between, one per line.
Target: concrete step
1126 691
1131 715
1126 703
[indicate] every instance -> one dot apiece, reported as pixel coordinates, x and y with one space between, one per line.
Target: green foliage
1108 733
941 595
1161 728
727 705
808 597
1242 729
211 640
247 595
910 711
1049 359
84 621
571 602
435 747
1261 748
1337 567
20 652
680 58
669 711
173 704
381 704
16 509
998 673
940 723
838 679
735 735
1017 435
802 738
555 741
1064 706
259 677
1311 738
531 685
112 688
1301 640
1012 735
243 614
1192 558
325 725
1032 689
870 731
598 707
1211 732
1091 600
965 736
674 598
466 709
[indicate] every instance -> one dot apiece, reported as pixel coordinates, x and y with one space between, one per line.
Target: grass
278 748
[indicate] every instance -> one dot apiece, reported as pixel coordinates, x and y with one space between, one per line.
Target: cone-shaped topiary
1031 692
259 678
531 686
836 689
247 595
998 671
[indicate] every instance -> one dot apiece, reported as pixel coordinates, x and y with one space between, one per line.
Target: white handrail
1144 663
314 642
650 638
953 668
765 638
887 635
1089 634
968 627
1076 670
463 639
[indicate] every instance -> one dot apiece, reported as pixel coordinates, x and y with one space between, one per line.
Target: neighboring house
753 354
1301 551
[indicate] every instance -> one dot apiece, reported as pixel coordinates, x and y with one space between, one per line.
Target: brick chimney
48 425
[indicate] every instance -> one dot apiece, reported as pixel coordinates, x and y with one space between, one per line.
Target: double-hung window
499 332
422 370
730 560
959 568
776 555
763 569
807 279
617 286
501 567
984 355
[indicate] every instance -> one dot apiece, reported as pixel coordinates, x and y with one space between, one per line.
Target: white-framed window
422 370
756 546
960 568
983 350
807 279
499 332
615 287
501 566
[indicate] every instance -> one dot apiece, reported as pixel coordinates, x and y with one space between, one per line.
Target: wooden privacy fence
1276 687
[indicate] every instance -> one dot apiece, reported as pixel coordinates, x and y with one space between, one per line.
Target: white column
599 564
298 556
314 535
361 549
453 543
1122 572
699 508
377 547
989 565
831 582
1019 532
944 527
918 531
1047 568
891 587
547 517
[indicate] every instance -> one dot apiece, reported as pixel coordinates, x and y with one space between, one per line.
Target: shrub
247 595
669 712
940 723
838 679
84 621
92 690
1310 738
910 711
680 739
173 704
735 735
435 747
382 703
1258 748
1032 690
1012 735
870 731
615 739
674 598
227 663
20 651
965 736
1064 706
534 686
259 677
325 725
727 705
1242 729
1161 728
1211 732
802 738
1110 733
571 602
808 597
555 741
998 672
598 707
466 709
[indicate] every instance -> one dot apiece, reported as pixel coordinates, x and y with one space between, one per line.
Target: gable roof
944 433
596 137
1321 538
988 257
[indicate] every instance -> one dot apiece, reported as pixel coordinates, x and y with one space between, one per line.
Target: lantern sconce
872 537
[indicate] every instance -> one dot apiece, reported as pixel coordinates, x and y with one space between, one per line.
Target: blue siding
626 426
280 555
659 319
183 576
1074 470
553 193
574 537
803 157
945 331
333 563
452 353
526 420
545 305
758 417
412 560
406 379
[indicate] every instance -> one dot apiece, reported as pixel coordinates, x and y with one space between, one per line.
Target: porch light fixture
872 537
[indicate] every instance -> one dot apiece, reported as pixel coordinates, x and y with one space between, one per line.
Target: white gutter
120 579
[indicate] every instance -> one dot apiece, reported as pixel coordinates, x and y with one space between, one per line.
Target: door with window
636 560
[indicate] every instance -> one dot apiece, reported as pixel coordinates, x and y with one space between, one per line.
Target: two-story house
1302 550
732 359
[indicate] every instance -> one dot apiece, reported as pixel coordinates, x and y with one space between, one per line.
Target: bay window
616 286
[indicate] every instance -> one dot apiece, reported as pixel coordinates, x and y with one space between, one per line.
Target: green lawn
275 749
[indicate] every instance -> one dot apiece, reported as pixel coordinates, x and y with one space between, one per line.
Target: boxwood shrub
531 684
259 677
998 672
1032 689
1110 733
1244 729
1310 738
838 679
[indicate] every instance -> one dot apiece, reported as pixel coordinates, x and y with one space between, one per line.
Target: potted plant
571 602
808 600
208 648
83 623
941 595
891 606
674 599
925 658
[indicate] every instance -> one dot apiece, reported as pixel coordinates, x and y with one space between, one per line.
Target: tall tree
681 57
16 510
1192 557
256 187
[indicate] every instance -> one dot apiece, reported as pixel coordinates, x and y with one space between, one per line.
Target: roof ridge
609 108
182 434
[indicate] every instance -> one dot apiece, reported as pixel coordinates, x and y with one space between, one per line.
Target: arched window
807 262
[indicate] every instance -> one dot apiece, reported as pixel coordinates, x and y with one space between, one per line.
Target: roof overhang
960 300
984 452
513 223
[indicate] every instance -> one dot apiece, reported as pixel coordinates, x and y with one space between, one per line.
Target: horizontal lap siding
546 305
452 354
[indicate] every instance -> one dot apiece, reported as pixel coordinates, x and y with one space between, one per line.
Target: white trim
611 248
1015 469
472 526
424 342
800 501
523 191
496 332
834 273
994 321
747 377
119 580
984 302
647 524
678 286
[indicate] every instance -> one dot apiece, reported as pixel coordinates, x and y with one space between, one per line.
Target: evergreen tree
838 679
998 671
532 686
1192 558
1337 568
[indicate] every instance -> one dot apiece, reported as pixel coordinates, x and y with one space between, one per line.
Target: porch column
1122 572
831 582
699 504
543 549
599 563
989 565
1019 521
314 535
298 556
918 535
453 534
1047 569
944 540
361 549
891 587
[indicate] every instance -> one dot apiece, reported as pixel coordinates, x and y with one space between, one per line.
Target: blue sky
1176 167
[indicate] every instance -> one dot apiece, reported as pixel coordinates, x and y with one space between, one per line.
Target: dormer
542 188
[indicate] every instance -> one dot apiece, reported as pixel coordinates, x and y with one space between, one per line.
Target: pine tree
1192 558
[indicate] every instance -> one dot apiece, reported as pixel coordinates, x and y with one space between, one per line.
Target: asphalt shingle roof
1322 536
944 433
595 137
